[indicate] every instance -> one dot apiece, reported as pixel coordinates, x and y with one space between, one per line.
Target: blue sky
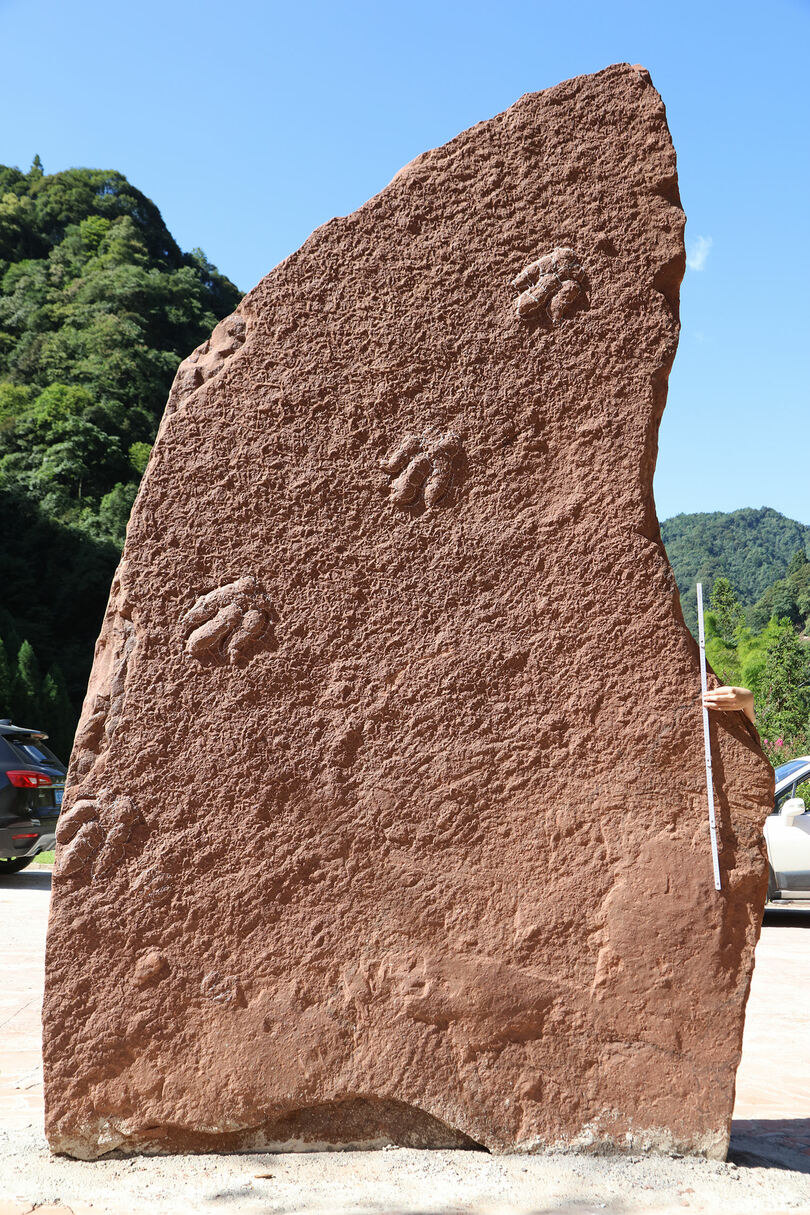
250 127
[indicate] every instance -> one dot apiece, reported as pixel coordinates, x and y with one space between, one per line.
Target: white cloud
698 251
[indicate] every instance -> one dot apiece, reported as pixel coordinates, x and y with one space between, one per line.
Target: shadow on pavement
28 879
797 915
771 1143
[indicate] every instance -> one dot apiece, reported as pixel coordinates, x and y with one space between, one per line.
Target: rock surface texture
386 820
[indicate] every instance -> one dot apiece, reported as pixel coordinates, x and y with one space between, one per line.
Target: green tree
17 222
783 686
58 715
55 581
9 632
727 609
139 454
752 652
784 603
722 658
26 697
5 682
797 562
114 512
14 400
789 597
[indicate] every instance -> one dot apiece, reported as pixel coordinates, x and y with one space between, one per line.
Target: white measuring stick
707 746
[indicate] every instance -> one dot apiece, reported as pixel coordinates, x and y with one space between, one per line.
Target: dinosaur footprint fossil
204 362
554 285
95 830
424 465
227 624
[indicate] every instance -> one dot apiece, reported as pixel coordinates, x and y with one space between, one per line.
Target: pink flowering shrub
780 750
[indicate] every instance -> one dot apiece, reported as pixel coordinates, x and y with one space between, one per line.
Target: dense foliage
98 305
752 548
773 662
754 566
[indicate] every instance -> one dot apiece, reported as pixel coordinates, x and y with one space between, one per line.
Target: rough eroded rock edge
208 385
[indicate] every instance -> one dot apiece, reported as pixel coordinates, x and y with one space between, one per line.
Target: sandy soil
768 1170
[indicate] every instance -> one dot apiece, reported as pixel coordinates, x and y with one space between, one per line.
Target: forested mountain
98 305
756 579
752 548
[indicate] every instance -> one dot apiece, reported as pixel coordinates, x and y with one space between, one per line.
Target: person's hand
727 700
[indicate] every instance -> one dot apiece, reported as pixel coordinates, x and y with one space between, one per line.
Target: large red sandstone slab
386 819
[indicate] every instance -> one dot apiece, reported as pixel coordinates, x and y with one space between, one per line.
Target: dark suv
32 781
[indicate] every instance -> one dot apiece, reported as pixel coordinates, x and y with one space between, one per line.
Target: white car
787 832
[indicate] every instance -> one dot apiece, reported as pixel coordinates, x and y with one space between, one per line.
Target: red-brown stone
390 811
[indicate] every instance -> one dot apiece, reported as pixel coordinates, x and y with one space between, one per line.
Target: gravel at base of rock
400 1181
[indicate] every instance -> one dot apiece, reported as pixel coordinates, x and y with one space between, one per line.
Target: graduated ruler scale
707 746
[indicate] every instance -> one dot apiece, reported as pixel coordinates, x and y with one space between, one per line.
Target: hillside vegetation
756 582
98 305
752 548
773 661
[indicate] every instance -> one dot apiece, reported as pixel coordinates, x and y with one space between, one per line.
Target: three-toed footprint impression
228 623
421 465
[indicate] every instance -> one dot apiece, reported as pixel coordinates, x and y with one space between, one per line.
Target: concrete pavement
772 1110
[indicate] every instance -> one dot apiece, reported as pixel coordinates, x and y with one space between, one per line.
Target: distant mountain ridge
750 547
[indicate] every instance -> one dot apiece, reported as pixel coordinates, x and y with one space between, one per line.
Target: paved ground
768 1171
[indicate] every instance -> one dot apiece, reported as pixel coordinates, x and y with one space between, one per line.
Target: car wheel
773 889
13 864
